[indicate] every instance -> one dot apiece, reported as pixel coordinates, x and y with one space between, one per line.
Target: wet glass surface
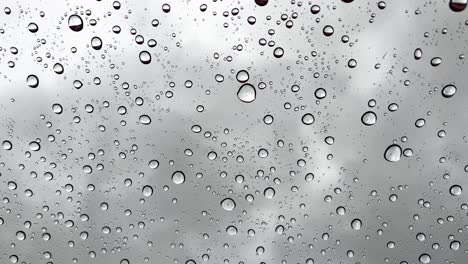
233 132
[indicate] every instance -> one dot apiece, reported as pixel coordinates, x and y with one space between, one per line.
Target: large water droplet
269 193
96 43
369 118
356 224
247 93
261 2
393 153
32 81
228 204
328 30
449 90
75 23
308 119
425 258
145 119
242 76
145 57
456 190
147 190
278 52
178 177
458 5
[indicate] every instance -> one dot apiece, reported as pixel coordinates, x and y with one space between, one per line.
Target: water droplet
356 224
32 81
75 23
178 177
425 258
7 145
147 190
418 54
393 153
456 190
269 193
231 230
32 27
315 9
34 146
145 119
145 57
449 90
247 93
352 63
57 109
328 30
58 68
96 43
166 8
458 5
261 2
320 93
278 52
455 245
436 61
242 76
153 164
369 118
308 119
228 204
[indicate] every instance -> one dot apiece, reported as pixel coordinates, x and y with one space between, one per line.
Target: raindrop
417 54
278 52
328 30
147 190
34 146
425 258
32 27
75 23
32 81
6 144
178 177
456 190
449 90
145 119
261 2
436 61
247 93
458 5
145 57
153 164
96 43
308 119
57 109
269 193
242 76
393 153
228 204
369 118
58 68
356 224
